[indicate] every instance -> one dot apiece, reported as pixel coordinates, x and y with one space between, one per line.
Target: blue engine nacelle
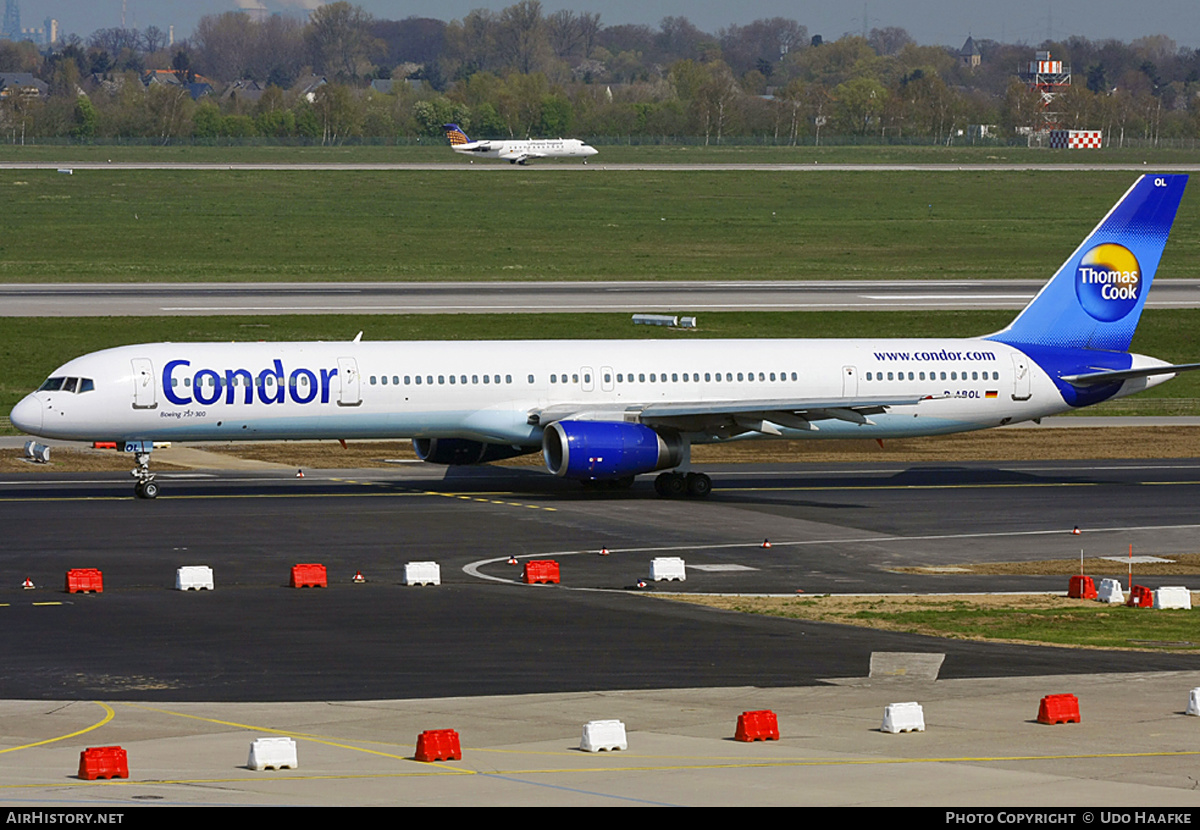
601 450
460 451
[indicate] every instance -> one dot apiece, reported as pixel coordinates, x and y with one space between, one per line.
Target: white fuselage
486 391
519 151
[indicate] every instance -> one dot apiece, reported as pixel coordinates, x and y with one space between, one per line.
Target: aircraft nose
27 415
590 150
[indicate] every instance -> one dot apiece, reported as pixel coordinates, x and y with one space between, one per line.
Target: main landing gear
673 485
145 488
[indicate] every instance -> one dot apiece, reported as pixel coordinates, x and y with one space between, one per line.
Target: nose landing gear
145 487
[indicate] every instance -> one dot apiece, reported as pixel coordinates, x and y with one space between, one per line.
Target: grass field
219 225
612 151
1168 334
1045 620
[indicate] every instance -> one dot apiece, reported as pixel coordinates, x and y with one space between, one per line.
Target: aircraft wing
726 418
521 156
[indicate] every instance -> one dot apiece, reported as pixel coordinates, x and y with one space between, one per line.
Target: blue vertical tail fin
1095 299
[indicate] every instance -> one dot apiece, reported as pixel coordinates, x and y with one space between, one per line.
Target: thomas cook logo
1108 281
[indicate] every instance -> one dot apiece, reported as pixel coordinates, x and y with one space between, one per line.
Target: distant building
307 87
969 54
22 84
247 90
10 29
198 87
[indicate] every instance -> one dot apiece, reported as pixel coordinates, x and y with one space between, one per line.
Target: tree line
521 72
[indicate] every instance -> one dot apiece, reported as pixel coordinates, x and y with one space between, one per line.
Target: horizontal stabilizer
1100 378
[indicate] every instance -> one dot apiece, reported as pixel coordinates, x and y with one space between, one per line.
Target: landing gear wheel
698 485
670 485
145 488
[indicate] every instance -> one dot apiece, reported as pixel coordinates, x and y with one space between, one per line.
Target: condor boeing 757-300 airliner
610 410
518 151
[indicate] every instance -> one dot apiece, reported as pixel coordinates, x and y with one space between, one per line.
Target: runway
683 297
832 529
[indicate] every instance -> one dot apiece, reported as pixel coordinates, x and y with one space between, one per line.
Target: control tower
1049 78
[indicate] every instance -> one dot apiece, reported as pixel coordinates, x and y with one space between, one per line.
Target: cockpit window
76 385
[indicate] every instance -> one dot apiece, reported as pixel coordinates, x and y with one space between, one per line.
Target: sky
930 22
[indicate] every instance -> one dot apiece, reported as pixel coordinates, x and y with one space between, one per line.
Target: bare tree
761 43
153 40
564 32
889 40
521 36
340 41
224 45
589 32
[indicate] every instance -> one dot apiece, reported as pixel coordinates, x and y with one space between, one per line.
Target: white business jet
605 411
518 152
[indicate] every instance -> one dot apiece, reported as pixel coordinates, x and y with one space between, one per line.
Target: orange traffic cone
766 543
604 551
299 473
1076 531
27 584
512 560
358 577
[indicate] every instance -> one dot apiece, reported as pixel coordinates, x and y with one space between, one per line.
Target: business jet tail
455 135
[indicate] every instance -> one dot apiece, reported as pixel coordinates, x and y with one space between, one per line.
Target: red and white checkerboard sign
1076 139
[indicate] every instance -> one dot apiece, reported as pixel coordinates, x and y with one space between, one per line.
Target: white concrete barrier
1110 591
194 578
422 573
1173 597
273 753
668 568
903 717
1194 702
603 734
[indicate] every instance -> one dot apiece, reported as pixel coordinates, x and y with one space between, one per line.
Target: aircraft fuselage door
849 382
144 388
350 394
587 379
1022 378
